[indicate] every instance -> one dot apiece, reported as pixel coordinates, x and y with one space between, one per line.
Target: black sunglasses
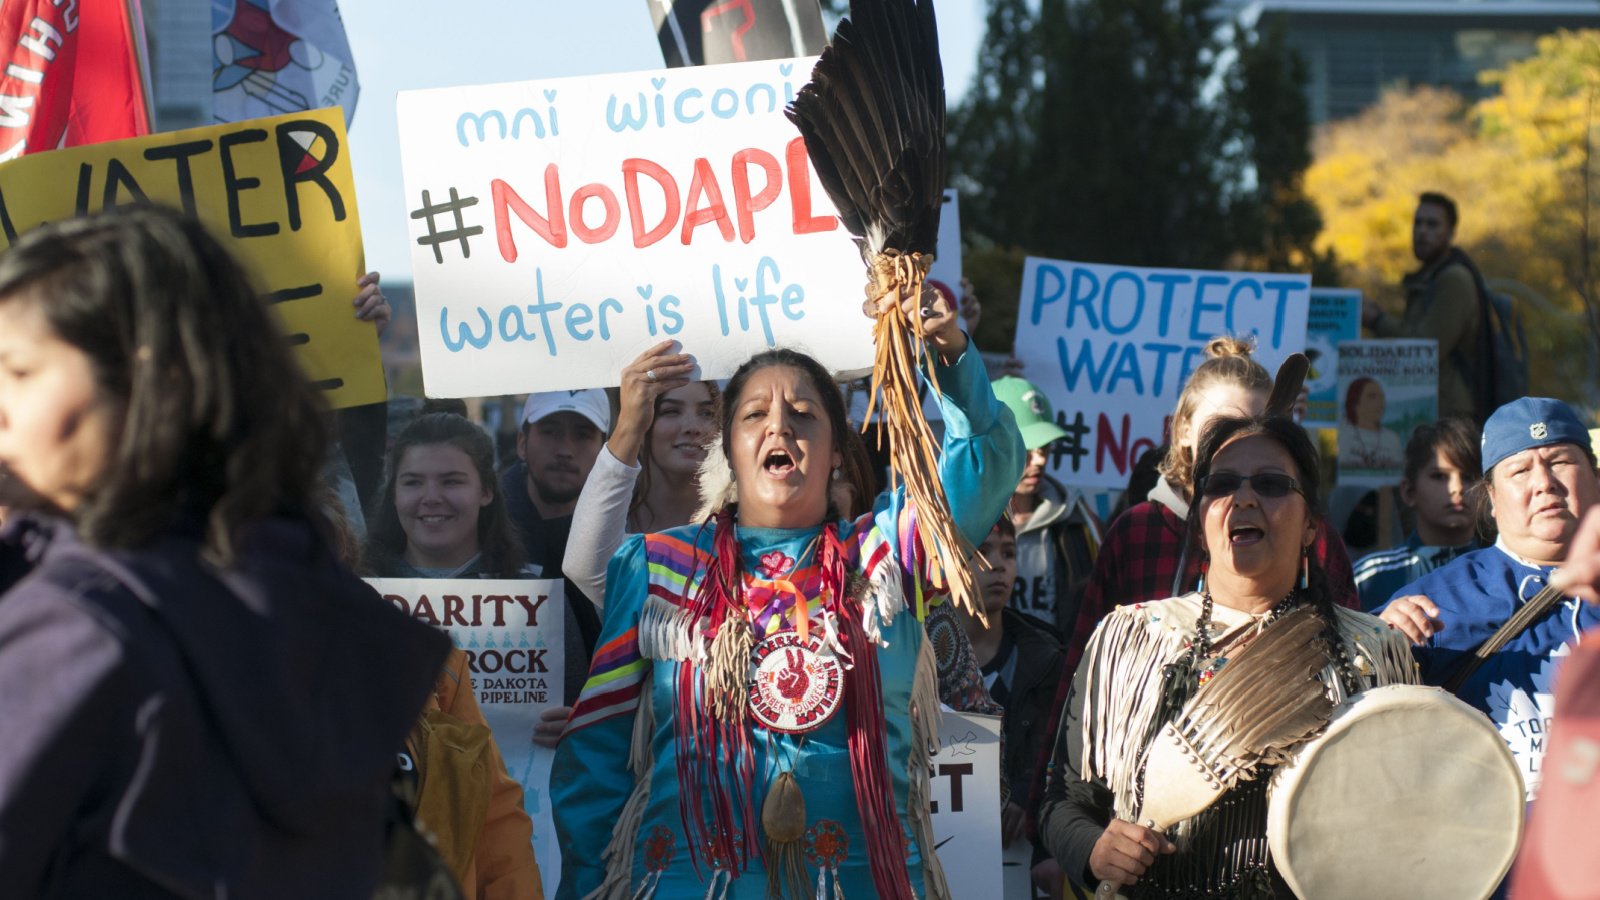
1265 484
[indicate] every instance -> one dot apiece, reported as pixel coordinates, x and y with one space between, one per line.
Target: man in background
560 435
1443 303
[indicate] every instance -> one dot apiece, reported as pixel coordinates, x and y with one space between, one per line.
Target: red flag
70 74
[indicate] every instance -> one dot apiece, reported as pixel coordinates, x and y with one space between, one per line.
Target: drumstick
1268 698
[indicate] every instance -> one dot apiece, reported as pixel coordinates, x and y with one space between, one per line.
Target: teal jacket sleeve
979 465
590 781
982 457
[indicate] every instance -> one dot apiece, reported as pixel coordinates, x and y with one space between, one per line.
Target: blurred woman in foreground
199 699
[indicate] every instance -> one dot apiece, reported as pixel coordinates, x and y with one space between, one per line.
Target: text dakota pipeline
560 227
1113 346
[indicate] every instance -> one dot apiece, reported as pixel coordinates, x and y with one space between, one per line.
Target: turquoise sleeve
979 464
982 457
590 781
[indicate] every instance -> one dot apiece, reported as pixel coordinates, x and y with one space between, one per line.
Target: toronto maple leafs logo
1523 719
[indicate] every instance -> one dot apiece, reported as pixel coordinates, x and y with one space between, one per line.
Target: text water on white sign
1112 347
560 227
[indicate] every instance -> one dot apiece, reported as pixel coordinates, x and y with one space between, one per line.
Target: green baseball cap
1029 406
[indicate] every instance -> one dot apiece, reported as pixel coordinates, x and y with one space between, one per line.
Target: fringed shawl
1117 689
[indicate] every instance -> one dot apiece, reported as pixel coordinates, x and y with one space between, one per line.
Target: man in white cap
559 437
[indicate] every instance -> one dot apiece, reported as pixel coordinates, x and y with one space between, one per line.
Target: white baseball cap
590 403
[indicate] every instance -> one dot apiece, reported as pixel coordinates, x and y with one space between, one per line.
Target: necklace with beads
1202 633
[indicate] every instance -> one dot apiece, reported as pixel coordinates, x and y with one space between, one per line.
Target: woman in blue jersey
757 716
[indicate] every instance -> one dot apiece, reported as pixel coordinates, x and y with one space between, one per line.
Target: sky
408 44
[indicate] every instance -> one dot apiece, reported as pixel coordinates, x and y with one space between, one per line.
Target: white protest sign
1017 863
561 227
947 258
512 633
1386 389
966 803
1112 347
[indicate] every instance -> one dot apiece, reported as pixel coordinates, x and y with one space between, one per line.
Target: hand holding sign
371 305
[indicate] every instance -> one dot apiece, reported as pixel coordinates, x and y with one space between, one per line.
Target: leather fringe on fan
1127 655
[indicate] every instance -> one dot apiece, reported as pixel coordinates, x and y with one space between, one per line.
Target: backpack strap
1480 377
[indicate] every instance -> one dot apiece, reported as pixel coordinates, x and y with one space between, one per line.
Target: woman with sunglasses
1145 556
1252 527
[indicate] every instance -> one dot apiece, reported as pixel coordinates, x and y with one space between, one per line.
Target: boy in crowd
1021 661
1442 462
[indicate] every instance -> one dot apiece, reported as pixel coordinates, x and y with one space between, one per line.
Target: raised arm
600 520
599 523
982 456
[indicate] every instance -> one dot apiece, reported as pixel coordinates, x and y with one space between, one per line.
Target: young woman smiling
439 516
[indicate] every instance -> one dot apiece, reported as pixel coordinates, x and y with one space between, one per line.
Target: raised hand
656 371
793 679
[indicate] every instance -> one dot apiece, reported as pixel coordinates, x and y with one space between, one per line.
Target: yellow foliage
1522 167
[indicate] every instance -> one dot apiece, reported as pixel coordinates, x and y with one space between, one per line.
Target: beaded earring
1305 569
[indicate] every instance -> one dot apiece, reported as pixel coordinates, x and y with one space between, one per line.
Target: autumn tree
1521 164
1139 132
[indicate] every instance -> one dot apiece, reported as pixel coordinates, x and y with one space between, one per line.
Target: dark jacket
1031 694
175 731
545 541
1443 303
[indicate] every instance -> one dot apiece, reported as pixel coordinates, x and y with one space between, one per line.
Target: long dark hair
641 488
500 549
1293 439
218 422
815 374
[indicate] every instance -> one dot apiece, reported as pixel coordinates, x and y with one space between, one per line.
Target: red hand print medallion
795 685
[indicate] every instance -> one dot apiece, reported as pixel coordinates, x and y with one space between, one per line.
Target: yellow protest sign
277 191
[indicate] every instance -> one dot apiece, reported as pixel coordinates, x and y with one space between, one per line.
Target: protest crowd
1212 584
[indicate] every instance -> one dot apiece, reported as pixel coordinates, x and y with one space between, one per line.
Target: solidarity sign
560 227
512 634
1112 347
277 191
